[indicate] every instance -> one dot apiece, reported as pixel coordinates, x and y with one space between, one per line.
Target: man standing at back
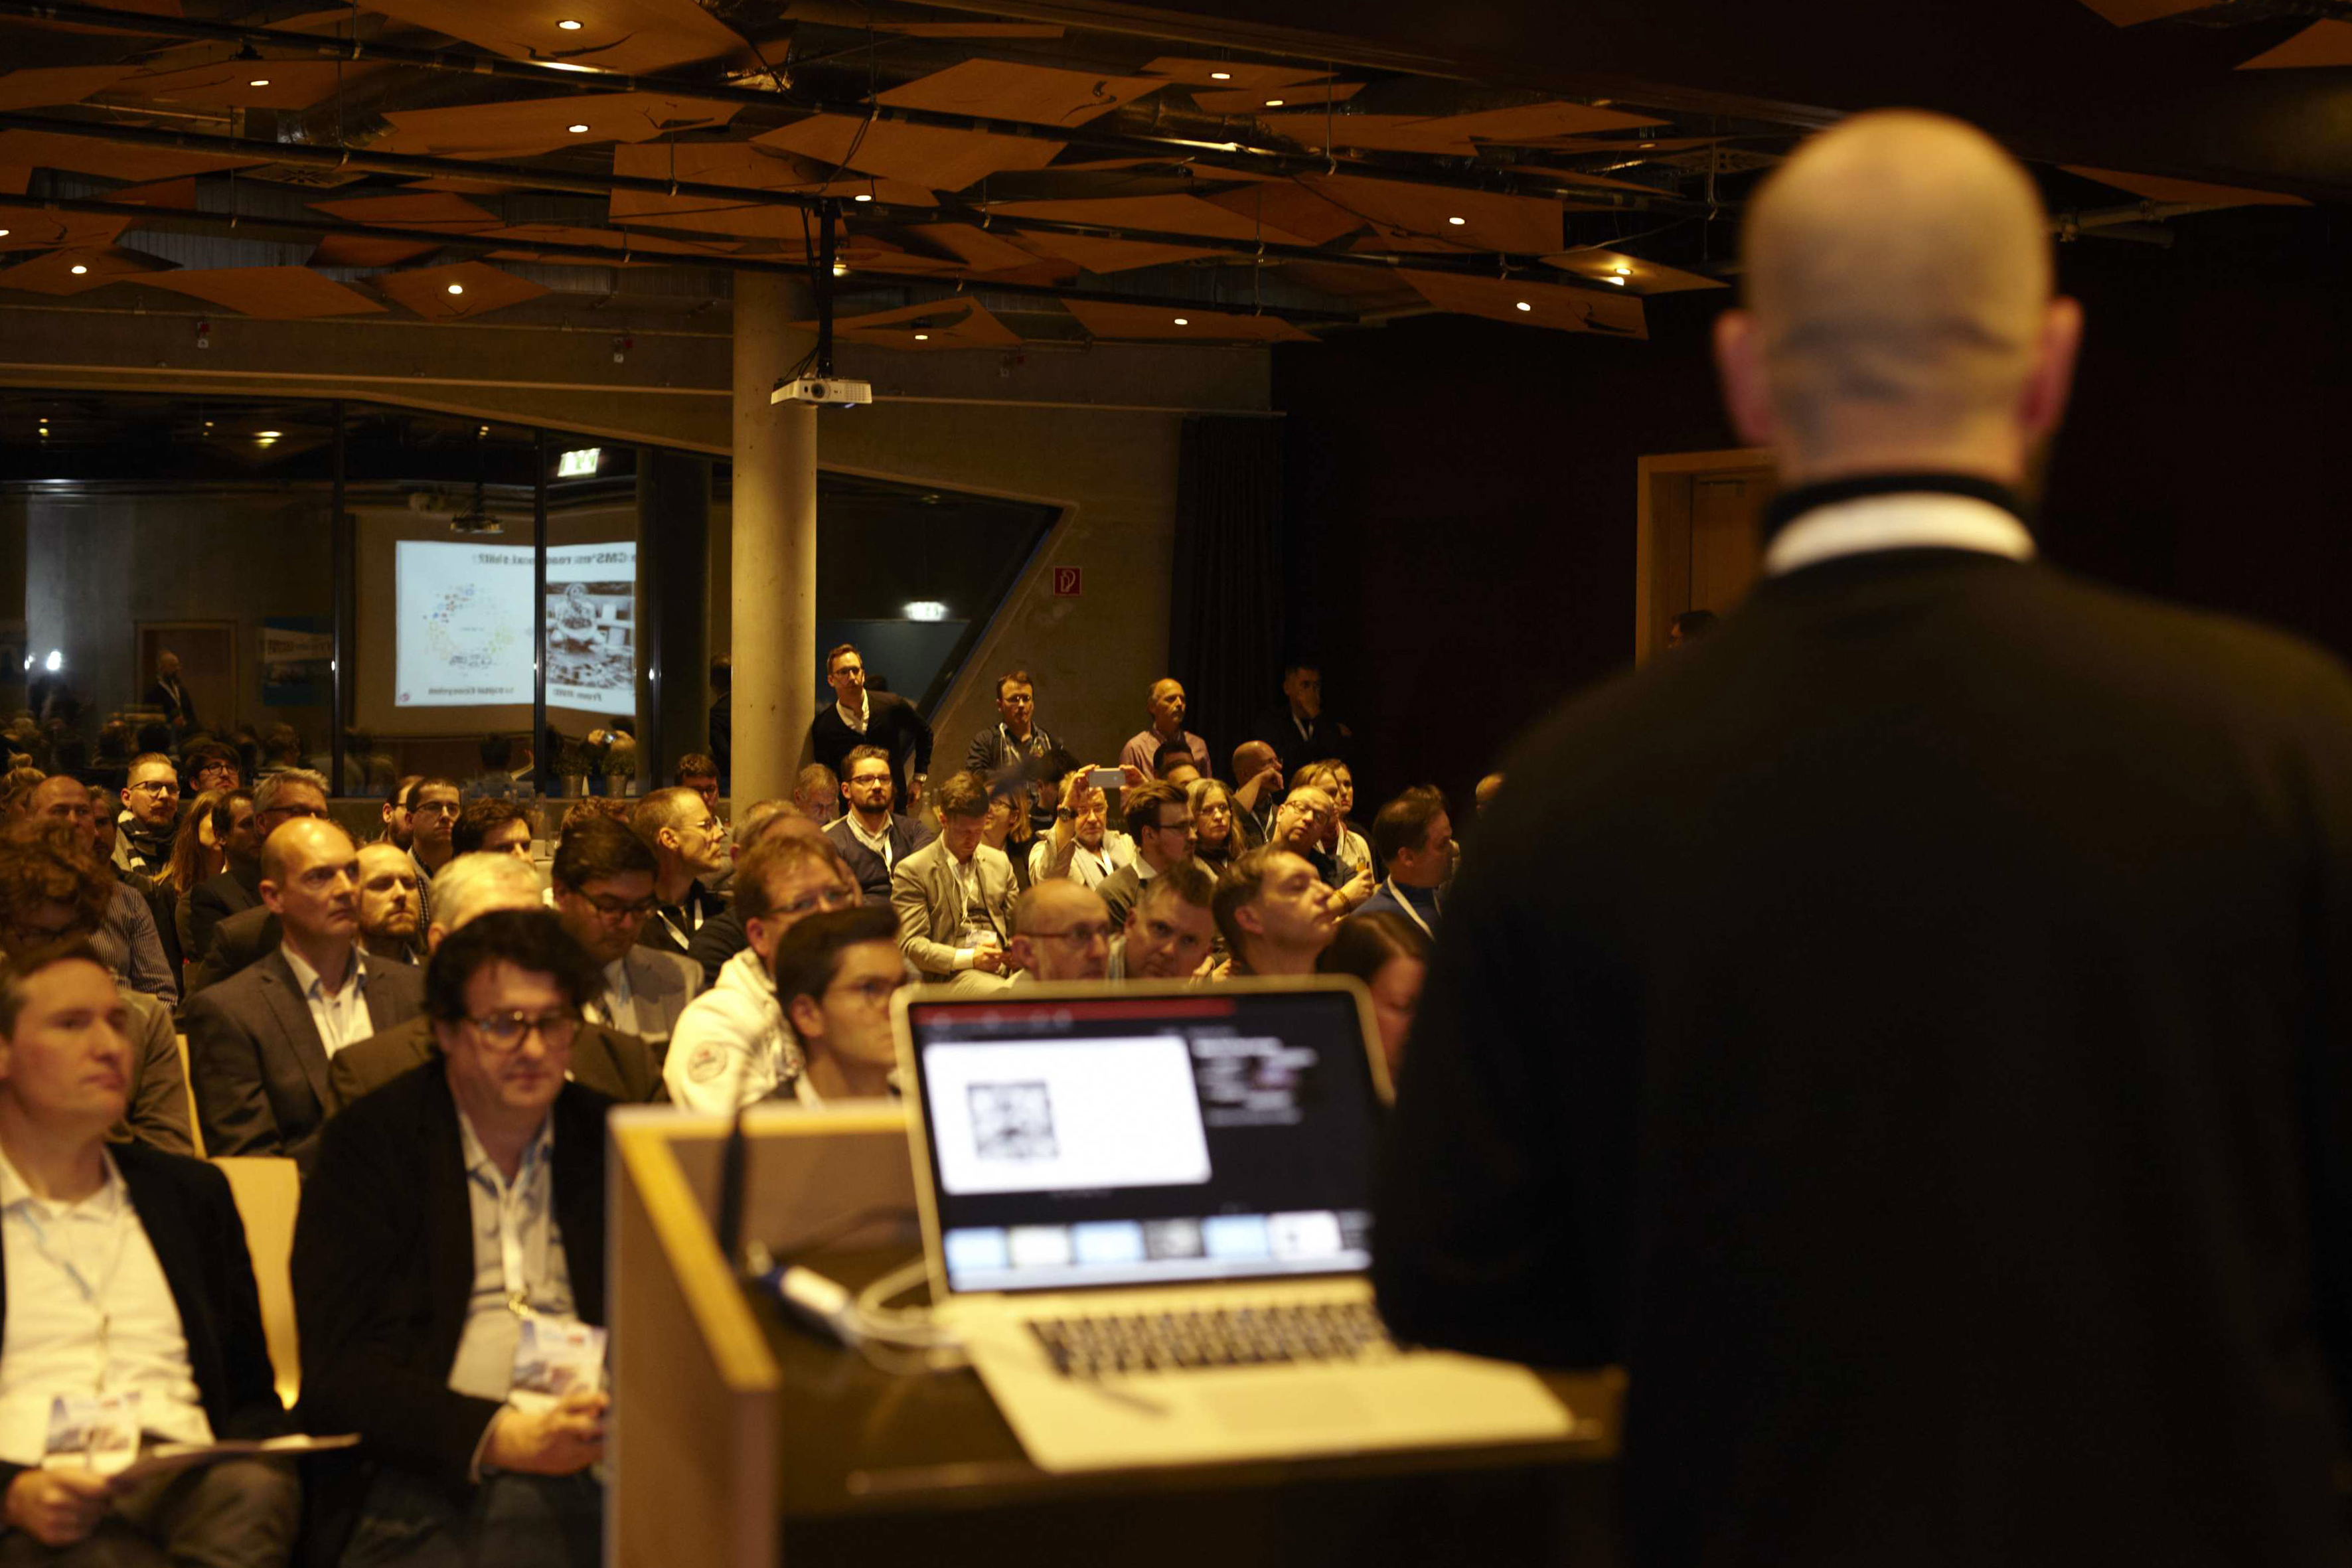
858 717
1165 704
1935 1091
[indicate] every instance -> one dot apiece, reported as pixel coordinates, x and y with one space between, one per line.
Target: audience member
1217 832
208 766
236 832
150 815
1299 729
955 896
239 939
391 918
1389 954
196 857
397 804
1173 930
835 973
732 1045
1484 795
1083 846
1165 704
169 698
452 1212
18 792
1257 792
1275 913
700 774
616 1064
1341 841
127 1273
1007 829
281 749
1689 627
260 1041
127 937
104 806
1159 825
722 935
871 838
858 717
1015 739
1061 930
1298 824
603 877
689 843
1174 764
434 807
497 825
52 890
1414 838
816 793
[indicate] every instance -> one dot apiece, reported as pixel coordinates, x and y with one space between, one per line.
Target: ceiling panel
648 247
48 85
440 211
2157 188
246 84
634 36
1182 325
358 250
483 287
2323 44
1167 215
1109 255
1240 76
529 126
1487 220
1249 101
938 326
937 157
1456 136
1640 276
1526 304
976 249
110 160
34 229
1006 89
54 273
1291 208
277 293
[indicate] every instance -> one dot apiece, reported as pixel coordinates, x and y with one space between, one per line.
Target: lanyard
91 1294
1410 912
514 1209
692 910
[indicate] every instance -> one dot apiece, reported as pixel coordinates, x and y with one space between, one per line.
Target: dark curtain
1226 621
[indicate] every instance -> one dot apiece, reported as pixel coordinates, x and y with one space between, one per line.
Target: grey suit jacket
931 905
260 1070
616 1066
157 1111
661 984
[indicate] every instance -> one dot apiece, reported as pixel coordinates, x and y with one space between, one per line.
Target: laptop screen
1140 1140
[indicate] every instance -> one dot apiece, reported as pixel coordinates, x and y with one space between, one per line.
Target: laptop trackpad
1289 1405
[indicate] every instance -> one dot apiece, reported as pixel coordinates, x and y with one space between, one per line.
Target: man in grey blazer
955 896
260 1042
603 877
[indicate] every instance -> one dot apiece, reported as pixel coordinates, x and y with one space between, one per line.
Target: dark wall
1461 494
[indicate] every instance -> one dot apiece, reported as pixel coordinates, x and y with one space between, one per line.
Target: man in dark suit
277 799
1299 729
1412 840
858 717
170 698
871 837
1909 1032
259 1043
410 1301
174 1319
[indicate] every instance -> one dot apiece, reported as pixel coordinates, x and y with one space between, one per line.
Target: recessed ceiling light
78 269
456 288
1183 320
923 337
577 130
1457 221
1274 103
4 234
1624 270
1618 279
1647 145
569 26
268 434
862 196
841 269
1523 305
208 424
1221 75
258 81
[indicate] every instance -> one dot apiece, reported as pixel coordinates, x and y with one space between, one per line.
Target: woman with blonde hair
1216 838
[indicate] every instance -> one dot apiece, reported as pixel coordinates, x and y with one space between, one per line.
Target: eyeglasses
864 779
824 899
613 908
431 808
507 1031
157 786
849 669
875 991
1077 935
1183 826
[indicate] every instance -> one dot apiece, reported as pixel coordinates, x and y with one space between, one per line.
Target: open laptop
1146 1210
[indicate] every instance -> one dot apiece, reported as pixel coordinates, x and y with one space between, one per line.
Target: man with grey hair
1910 1031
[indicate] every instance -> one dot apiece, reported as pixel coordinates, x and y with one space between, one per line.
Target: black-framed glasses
429 808
612 908
156 786
507 1031
874 990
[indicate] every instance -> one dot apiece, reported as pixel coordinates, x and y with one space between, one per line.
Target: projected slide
1072 1115
464 636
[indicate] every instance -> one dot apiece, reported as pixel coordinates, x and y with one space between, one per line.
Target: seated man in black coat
415 1316
174 1319
870 837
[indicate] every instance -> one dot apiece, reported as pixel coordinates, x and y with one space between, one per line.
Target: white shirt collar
854 717
1913 520
109 1198
307 981
877 842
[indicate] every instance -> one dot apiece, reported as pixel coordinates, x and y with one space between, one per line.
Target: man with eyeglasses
260 1043
1060 932
238 934
835 974
615 1063
433 808
1299 826
149 819
448 1271
859 717
871 837
688 843
127 937
604 882
1016 738
1161 824
732 1045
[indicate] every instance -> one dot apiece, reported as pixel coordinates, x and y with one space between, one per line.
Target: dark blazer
1324 742
191 1220
891 723
618 1065
384 1268
722 936
213 900
906 836
177 702
658 933
1913 1035
259 1071
239 941
1120 891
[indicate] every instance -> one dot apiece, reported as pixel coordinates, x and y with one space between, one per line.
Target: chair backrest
267 1191
188 1087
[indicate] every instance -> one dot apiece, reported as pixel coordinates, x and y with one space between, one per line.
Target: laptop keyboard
1241 1336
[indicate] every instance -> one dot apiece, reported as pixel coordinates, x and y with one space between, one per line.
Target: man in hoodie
733 1045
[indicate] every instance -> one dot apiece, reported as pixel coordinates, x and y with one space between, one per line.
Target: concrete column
774 526
673 608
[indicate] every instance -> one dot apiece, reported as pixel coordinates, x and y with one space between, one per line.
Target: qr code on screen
1012 1122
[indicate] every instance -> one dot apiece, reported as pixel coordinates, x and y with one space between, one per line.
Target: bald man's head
1899 310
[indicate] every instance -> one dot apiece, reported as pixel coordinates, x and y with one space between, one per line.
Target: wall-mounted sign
1065 582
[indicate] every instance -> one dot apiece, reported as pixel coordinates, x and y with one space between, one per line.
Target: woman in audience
1389 954
1340 839
1215 840
196 855
1007 827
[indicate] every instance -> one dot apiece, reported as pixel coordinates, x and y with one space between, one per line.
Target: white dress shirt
1915 519
340 1016
1087 867
877 842
618 1008
518 1263
90 1311
856 721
